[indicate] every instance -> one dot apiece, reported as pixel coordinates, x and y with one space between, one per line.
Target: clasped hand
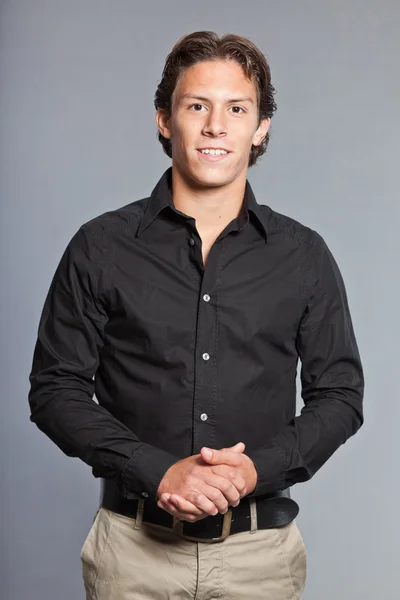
207 483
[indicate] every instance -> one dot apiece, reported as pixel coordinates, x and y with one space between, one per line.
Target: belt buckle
226 530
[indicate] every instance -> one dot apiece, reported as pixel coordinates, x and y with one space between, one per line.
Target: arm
332 387
65 360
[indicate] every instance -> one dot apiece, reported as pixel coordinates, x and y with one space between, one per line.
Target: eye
195 107
237 111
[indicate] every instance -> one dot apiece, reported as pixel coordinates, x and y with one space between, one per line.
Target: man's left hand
241 463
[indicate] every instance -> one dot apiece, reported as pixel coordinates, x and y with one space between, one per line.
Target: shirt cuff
271 464
144 471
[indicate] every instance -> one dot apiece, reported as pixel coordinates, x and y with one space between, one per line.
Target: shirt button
191 241
206 356
204 417
145 495
206 298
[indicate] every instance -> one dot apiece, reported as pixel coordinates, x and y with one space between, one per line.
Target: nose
215 124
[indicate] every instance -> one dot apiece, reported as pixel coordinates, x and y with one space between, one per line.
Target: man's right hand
203 489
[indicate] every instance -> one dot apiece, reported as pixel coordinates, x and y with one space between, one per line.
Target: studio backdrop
78 138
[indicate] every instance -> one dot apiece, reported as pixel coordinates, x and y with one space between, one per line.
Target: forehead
217 78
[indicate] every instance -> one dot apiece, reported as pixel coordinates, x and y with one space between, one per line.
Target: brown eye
238 107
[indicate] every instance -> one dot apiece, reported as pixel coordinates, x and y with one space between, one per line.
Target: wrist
253 477
162 488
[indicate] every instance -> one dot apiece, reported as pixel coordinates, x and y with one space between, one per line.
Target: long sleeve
66 356
332 386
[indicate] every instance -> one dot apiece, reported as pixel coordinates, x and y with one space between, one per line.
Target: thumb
217 456
239 447
210 456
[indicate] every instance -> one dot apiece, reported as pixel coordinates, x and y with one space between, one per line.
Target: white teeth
213 152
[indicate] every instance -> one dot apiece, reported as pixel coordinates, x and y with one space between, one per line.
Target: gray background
78 137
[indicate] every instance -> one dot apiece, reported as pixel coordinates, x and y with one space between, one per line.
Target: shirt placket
205 393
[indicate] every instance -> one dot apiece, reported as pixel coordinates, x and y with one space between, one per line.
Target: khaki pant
121 562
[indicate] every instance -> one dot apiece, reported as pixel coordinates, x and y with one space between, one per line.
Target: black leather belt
273 510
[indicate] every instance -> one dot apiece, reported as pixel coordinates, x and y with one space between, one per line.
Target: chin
213 177
214 181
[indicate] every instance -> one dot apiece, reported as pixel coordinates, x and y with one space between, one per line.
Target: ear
261 132
163 123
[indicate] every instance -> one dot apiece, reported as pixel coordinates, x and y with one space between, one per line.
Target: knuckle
214 494
192 498
220 499
235 494
226 485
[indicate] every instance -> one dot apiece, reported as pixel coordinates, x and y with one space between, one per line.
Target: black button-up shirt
180 355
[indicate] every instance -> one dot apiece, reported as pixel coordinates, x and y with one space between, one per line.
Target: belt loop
139 514
253 515
177 526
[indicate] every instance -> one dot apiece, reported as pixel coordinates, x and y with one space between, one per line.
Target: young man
187 313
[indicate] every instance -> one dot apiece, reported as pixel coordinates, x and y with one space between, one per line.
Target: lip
215 158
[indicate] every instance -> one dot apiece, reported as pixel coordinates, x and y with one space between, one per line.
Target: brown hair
206 45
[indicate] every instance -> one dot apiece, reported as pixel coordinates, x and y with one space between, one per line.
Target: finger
165 496
190 516
175 504
200 506
212 494
218 457
233 475
163 504
225 486
184 506
199 501
169 507
239 447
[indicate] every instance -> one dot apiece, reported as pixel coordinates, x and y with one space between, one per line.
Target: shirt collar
161 197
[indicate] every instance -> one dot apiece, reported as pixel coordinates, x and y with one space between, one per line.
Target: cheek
244 144
184 137
243 135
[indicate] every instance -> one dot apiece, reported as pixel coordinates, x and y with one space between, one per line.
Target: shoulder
95 240
108 224
286 226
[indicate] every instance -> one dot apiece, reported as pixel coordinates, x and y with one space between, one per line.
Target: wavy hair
203 46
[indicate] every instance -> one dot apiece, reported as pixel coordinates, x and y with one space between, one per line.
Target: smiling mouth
213 155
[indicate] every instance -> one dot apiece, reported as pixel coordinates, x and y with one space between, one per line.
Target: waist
271 510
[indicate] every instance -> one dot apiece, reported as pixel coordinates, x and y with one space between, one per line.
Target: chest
170 296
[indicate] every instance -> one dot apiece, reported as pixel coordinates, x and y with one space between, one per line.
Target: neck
212 207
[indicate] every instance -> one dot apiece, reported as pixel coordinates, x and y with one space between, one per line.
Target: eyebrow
204 99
